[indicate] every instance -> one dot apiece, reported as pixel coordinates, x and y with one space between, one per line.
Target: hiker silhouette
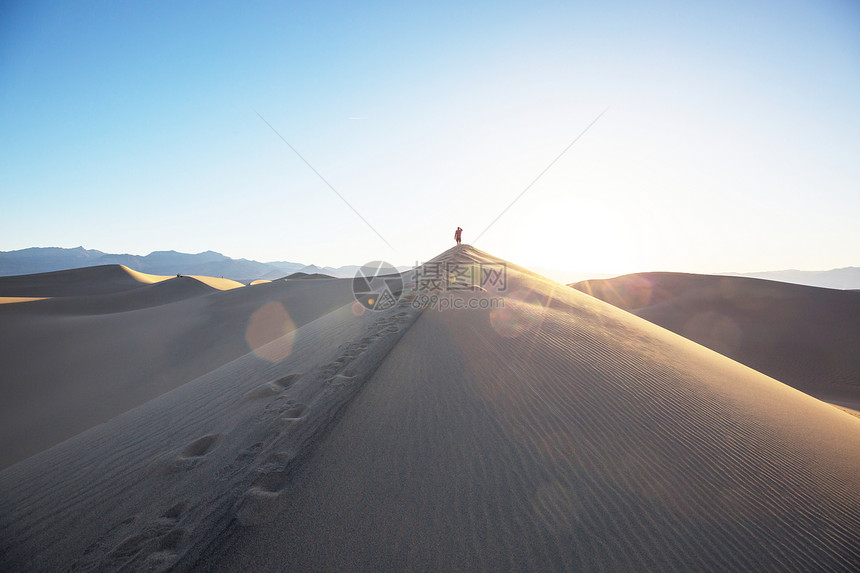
457 234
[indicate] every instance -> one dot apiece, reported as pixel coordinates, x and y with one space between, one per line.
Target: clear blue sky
731 142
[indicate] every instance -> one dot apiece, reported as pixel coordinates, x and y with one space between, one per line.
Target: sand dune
218 283
301 275
14 299
803 336
588 441
556 434
146 295
103 279
156 484
89 281
72 362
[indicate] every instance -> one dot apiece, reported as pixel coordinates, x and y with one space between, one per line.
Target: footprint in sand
294 413
154 548
242 461
258 506
262 502
346 357
331 368
200 447
176 511
188 457
340 380
274 387
131 546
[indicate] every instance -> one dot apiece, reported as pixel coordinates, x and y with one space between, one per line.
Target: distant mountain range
209 263
847 278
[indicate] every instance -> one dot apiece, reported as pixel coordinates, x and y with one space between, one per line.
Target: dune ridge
556 433
144 277
217 283
590 441
16 299
239 430
103 279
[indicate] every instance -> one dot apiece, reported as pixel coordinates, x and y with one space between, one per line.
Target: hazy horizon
728 144
565 276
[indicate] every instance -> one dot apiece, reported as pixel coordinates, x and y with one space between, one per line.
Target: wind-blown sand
806 337
557 434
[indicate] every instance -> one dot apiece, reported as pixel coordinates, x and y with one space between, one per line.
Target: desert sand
803 336
557 433
108 339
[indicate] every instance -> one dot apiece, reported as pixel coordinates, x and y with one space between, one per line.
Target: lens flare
523 311
271 332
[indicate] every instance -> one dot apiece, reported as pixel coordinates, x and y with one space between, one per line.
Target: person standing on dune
457 234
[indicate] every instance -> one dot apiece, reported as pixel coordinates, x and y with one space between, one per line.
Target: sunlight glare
522 312
271 332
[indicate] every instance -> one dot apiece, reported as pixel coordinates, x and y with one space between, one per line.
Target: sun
571 233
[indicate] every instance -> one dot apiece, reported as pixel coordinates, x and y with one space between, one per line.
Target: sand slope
803 336
153 487
590 441
71 362
556 434
102 279
17 299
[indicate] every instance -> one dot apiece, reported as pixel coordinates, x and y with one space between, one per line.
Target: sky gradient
731 141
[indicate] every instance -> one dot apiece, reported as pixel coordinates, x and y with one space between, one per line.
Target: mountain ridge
35 260
843 278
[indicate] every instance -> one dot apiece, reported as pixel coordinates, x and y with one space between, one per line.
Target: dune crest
16 299
144 277
214 282
566 435
552 433
217 283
